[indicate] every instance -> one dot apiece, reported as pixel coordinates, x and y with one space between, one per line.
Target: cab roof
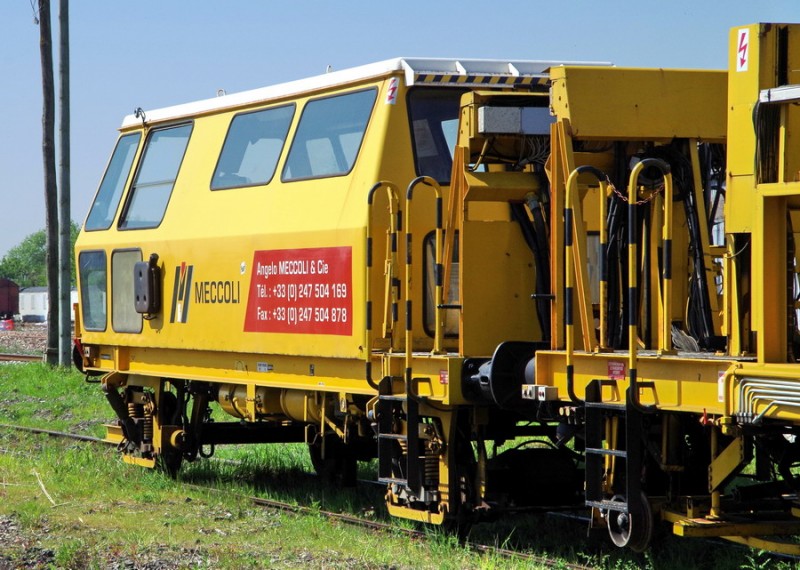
485 73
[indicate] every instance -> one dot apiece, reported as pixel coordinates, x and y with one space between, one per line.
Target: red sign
616 370
306 291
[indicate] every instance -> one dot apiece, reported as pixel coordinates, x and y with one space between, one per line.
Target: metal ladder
389 407
596 413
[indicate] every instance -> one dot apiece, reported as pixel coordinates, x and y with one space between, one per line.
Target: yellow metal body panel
219 234
670 382
648 104
496 249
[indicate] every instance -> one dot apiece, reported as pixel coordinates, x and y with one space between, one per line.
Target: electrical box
514 120
147 286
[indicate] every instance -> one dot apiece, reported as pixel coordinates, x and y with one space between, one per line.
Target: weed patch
108 514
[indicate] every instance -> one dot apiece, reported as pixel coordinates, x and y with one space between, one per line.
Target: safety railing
438 268
664 334
569 279
391 261
664 341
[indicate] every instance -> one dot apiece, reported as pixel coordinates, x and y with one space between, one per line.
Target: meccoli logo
181 291
211 292
217 292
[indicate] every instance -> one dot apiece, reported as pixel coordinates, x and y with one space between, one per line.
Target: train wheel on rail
168 460
462 514
631 529
338 464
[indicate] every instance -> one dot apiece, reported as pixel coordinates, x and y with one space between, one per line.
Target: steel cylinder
297 405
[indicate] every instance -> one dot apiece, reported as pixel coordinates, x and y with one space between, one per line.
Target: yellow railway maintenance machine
514 284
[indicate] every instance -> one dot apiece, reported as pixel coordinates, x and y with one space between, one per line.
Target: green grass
109 513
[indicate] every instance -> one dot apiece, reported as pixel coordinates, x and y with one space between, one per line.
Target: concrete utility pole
50 187
64 216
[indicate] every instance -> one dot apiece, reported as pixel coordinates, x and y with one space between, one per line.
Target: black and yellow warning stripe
481 80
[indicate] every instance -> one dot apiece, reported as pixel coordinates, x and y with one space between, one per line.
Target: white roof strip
484 72
780 94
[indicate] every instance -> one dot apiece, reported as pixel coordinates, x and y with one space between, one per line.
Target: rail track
376 526
21 357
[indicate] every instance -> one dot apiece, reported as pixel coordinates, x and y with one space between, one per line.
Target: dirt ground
26 338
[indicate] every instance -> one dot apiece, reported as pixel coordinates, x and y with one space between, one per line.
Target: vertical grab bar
569 221
438 269
603 261
665 340
633 295
391 191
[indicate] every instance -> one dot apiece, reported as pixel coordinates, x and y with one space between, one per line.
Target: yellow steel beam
762 543
725 464
414 514
728 528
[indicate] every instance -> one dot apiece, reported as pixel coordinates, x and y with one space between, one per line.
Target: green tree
26 263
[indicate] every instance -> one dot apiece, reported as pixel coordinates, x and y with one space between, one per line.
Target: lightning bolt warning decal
743 51
391 92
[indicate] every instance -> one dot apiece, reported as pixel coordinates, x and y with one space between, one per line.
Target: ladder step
603 451
391 398
608 505
392 480
617 406
393 436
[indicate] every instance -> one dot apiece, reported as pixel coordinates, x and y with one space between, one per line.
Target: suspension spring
135 410
148 428
431 466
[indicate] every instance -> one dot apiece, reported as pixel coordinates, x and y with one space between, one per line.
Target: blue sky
155 53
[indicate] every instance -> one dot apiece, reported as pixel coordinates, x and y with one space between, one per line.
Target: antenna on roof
139 114
329 69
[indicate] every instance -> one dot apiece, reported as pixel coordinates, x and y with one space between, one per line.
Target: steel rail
21 357
53 433
341 517
388 527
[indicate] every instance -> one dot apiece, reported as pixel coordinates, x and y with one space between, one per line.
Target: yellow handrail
569 236
391 191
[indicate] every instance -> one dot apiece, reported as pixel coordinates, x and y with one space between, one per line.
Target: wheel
631 529
338 466
459 526
169 460
169 463
461 513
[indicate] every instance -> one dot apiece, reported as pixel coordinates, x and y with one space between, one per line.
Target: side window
329 136
434 123
451 316
252 148
158 169
92 270
124 317
105 204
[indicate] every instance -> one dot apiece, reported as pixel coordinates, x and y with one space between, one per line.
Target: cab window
124 317
434 126
329 136
93 272
451 315
105 204
158 170
252 148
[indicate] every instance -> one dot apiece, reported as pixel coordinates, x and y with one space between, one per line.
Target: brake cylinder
297 405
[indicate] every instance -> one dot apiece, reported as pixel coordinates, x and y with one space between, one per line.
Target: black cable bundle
699 323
